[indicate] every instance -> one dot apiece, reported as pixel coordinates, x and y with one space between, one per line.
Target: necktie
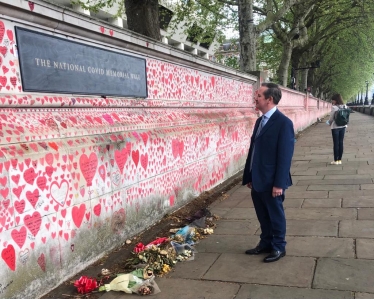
260 126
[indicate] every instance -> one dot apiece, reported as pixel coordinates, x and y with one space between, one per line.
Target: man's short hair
273 91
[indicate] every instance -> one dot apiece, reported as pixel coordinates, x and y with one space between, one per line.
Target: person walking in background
336 130
267 171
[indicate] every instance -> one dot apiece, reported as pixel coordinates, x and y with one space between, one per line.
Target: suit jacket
274 148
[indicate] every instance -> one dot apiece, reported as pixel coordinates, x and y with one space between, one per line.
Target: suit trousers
270 214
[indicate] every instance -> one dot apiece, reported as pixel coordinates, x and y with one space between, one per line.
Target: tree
269 12
142 15
250 17
342 37
291 35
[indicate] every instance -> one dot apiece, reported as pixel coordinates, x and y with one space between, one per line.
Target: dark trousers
338 137
270 214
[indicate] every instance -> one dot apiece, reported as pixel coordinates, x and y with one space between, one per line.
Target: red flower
139 248
85 284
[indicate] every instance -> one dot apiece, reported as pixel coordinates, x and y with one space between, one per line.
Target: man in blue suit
267 171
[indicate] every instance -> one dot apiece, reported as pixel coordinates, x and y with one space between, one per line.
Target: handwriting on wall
88 167
59 191
5 286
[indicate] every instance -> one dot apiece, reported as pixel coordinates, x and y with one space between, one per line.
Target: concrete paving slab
362 170
367 187
233 189
309 164
219 211
344 274
360 155
237 227
196 268
237 196
172 288
362 159
322 151
365 214
247 203
335 182
309 157
348 156
240 213
293 202
356 228
306 167
307 178
363 202
226 203
323 228
322 203
321 213
274 292
292 271
308 194
364 296
349 194
227 243
365 249
295 188
355 165
347 176
242 188
320 247
333 187
335 172
309 172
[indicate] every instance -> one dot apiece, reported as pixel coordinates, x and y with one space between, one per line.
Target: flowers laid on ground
85 284
156 258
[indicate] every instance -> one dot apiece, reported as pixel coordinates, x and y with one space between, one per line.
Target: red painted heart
88 167
78 214
33 222
19 236
9 256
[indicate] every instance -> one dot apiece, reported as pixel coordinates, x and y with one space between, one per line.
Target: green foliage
346 52
230 61
269 51
96 5
203 20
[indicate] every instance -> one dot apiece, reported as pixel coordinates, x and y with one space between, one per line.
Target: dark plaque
57 65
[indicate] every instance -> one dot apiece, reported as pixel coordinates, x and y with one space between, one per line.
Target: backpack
342 116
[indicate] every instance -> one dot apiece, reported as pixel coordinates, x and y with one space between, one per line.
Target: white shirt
268 114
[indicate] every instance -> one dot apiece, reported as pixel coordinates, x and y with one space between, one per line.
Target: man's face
262 104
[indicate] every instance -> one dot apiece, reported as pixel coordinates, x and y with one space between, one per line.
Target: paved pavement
330 231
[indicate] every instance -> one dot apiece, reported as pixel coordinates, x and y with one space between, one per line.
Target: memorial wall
103 132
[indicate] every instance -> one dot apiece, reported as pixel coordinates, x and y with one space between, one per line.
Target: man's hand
249 185
277 191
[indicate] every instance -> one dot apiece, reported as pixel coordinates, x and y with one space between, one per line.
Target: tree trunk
143 17
247 36
304 80
284 63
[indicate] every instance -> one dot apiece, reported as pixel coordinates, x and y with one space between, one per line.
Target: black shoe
258 250
274 256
